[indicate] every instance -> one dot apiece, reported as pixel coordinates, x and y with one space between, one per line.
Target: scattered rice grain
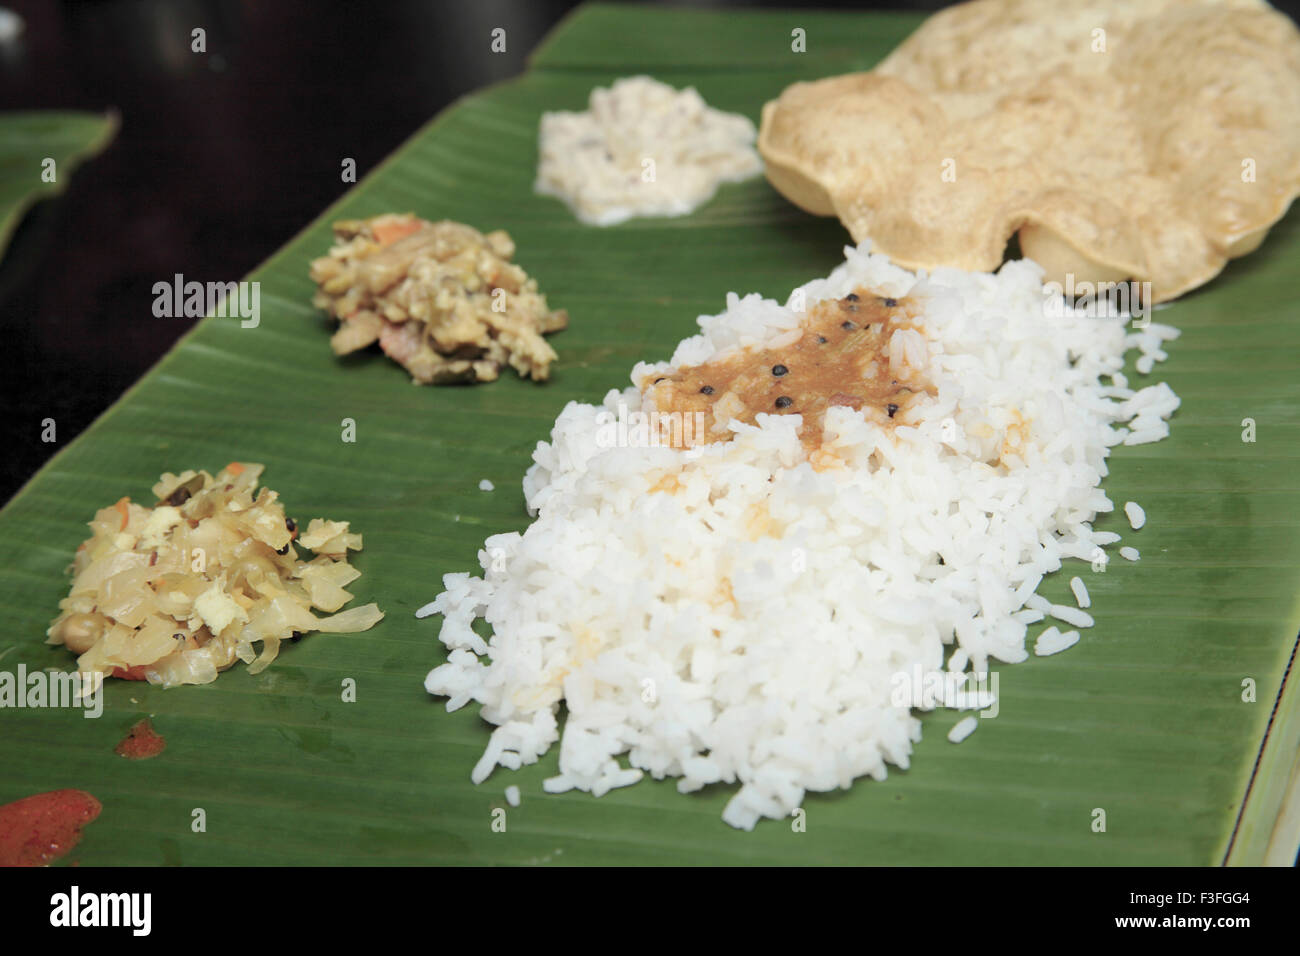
963 729
1080 590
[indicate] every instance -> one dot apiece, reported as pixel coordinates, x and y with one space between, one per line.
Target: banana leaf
38 153
1149 717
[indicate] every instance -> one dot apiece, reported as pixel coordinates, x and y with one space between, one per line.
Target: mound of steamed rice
732 614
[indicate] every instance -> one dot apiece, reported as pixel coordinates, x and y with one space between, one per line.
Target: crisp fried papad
1150 139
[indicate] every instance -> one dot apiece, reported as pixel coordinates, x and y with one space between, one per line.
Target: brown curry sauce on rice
839 357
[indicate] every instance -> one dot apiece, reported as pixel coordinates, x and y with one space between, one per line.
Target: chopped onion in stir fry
174 593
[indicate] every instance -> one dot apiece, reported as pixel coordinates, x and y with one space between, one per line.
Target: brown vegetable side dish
442 299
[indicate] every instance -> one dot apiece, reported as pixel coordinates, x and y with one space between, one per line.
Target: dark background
221 158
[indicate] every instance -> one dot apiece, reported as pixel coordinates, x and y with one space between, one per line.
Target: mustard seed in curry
845 353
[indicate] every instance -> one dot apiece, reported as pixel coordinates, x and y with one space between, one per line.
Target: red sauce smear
141 742
37 830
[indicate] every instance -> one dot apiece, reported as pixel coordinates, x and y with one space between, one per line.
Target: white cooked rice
1052 641
486 485
642 148
1136 516
512 795
1071 615
1081 596
751 627
1131 554
963 729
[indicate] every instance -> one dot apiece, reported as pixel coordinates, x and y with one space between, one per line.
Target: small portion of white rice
1129 554
1136 516
642 148
486 485
751 625
512 795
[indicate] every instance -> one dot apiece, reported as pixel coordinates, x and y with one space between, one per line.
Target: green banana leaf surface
1150 717
38 152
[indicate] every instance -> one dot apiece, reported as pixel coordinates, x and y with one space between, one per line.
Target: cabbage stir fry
174 593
